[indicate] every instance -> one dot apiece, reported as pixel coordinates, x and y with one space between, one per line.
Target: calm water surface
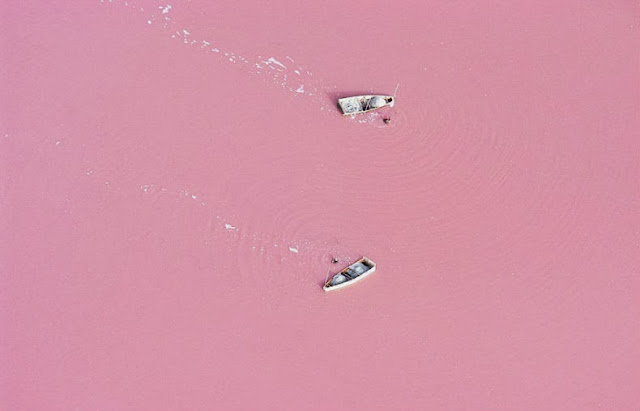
176 178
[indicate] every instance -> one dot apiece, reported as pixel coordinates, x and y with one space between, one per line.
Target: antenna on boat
396 92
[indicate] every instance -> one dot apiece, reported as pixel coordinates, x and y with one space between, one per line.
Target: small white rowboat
363 104
351 275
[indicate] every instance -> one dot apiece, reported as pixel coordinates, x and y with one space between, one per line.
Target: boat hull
364 261
363 104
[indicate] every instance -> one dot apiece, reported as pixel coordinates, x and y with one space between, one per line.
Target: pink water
175 179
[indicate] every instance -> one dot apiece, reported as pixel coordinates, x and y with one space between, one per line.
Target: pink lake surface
175 179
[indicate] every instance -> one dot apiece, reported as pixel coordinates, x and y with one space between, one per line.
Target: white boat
351 275
363 104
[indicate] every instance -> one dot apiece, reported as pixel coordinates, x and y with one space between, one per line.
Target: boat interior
351 272
357 269
354 105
